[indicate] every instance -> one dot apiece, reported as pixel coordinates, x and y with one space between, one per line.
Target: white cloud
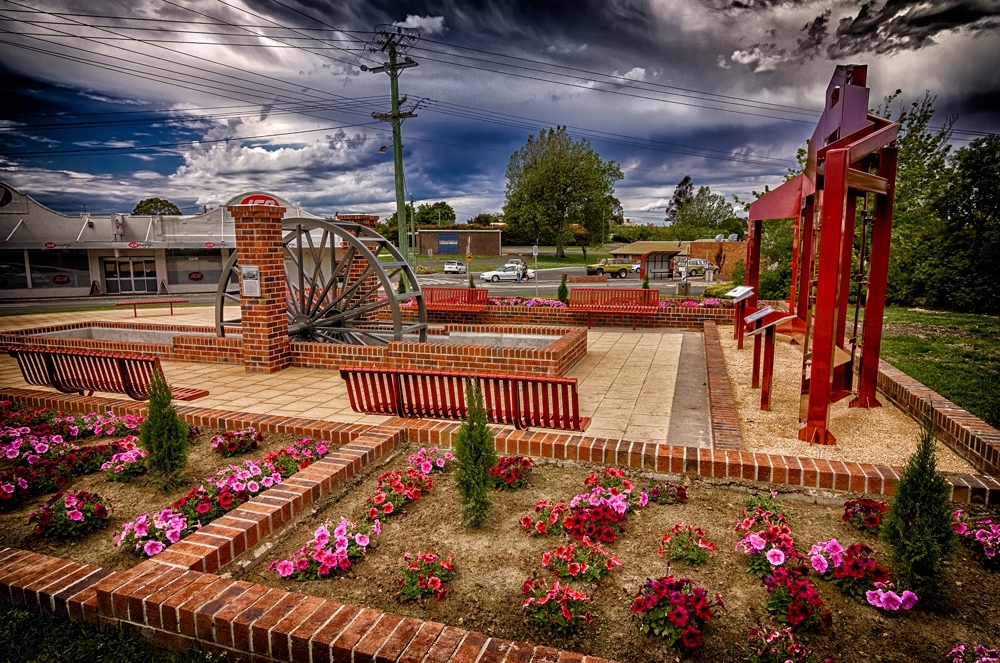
428 25
661 203
635 74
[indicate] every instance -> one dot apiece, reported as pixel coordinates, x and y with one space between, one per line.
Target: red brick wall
264 318
710 250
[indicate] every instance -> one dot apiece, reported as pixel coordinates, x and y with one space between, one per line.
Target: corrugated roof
638 248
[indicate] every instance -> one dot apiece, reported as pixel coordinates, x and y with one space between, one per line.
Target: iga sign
50 245
133 245
260 199
60 279
195 276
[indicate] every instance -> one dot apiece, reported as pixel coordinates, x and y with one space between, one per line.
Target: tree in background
968 213
435 214
156 207
553 182
921 177
683 193
164 435
475 454
705 215
483 219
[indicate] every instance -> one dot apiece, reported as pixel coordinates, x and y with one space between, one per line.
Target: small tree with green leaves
645 281
918 524
472 280
164 435
563 293
401 288
475 454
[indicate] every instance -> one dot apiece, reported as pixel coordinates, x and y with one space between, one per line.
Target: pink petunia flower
819 563
775 556
75 515
908 600
285 568
152 548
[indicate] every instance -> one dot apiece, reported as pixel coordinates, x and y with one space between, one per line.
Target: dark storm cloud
816 33
901 25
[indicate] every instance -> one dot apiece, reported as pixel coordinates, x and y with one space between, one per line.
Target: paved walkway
628 383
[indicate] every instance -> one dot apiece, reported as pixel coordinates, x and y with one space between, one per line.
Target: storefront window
59 268
12 269
193 266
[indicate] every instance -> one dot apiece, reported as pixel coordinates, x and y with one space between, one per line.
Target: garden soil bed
491 563
127 501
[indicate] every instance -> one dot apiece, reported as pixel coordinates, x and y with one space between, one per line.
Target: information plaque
740 292
758 314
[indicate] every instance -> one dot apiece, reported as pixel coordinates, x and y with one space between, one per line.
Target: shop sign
195 276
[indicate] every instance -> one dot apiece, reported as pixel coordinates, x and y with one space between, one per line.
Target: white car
454 267
636 266
506 273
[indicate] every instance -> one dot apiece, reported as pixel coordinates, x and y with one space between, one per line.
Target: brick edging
726 432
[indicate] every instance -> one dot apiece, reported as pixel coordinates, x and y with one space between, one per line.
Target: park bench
521 400
631 301
78 371
471 300
151 302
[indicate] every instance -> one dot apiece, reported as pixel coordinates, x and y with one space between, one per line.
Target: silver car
454 267
506 273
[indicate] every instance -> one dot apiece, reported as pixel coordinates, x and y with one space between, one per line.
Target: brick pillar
265 318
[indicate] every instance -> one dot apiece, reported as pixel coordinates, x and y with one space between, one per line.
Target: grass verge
28 637
955 354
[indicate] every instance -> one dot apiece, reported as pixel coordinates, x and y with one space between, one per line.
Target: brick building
458 242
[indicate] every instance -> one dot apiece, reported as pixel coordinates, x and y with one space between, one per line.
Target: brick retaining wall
726 432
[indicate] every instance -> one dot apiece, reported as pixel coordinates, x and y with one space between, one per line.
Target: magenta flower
152 547
285 568
426 467
775 556
908 600
891 600
75 515
819 563
361 539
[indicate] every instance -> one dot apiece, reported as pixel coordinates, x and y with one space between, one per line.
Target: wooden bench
631 301
665 273
471 300
151 302
520 400
78 371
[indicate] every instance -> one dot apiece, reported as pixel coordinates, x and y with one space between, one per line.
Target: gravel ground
881 436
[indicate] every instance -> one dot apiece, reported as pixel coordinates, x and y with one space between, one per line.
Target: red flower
372 513
203 507
691 637
387 508
100 511
225 499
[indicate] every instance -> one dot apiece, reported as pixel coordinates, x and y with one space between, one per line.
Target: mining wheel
350 299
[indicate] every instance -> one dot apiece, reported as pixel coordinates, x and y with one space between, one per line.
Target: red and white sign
195 276
209 245
260 199
50 245
60 279
133 245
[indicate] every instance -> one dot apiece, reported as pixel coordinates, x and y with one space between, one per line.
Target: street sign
468 257
534 250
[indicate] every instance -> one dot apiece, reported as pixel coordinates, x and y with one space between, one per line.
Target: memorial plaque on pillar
251 280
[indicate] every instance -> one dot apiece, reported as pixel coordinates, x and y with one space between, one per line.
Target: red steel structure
851 168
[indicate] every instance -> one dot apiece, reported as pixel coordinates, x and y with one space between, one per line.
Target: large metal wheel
350 299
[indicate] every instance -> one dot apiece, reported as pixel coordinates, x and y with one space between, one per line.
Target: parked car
610 266
698 266
454 267
506 273
516 261
637 265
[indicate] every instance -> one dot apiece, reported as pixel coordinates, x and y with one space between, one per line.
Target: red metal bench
78 371
471 300
521 400
151 302
631 301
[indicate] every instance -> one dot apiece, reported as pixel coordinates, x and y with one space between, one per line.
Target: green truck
616 268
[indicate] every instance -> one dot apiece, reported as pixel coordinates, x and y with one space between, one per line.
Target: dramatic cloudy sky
108 101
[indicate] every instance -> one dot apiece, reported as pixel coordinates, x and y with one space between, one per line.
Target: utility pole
393 43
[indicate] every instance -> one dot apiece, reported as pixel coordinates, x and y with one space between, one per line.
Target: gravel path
881 436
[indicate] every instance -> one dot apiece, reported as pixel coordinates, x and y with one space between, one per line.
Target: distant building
458 242
708 249
48 254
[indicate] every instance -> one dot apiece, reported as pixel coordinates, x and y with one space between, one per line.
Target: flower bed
488 588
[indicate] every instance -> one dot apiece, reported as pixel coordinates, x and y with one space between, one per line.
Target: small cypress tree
472 280
475 454
563 293
918 524
645 281
164 435
402 285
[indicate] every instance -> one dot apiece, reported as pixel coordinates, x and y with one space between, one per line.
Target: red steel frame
850 156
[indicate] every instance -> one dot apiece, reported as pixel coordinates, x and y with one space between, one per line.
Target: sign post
534 252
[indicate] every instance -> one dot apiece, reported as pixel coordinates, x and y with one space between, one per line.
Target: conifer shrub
563 293
472 280
164 435
475 454
645 281
402 285
918 524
